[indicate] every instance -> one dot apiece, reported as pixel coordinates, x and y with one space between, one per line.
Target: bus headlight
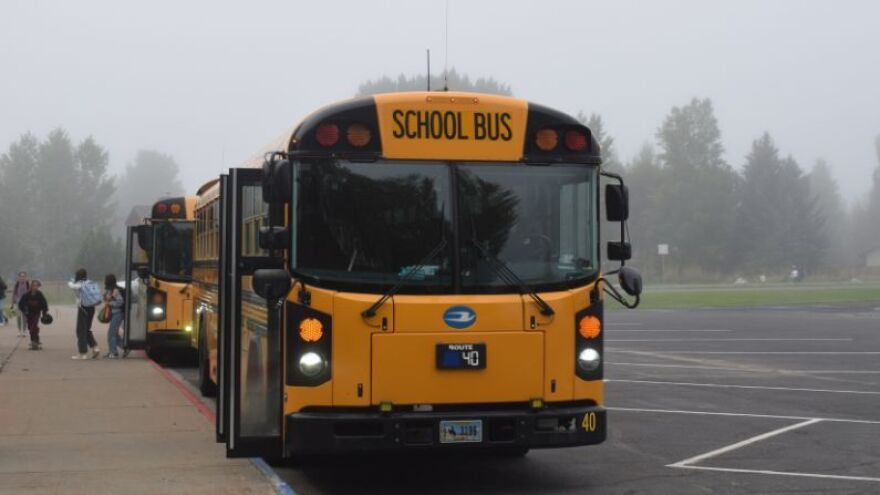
311 364
589 359
157 311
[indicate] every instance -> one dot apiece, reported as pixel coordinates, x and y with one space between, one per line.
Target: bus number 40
589 422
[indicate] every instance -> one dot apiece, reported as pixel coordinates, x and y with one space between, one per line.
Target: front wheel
206 386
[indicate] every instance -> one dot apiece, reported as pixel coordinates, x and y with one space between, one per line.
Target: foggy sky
212 82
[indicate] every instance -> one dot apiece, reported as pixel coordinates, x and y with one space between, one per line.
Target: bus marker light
590 327
175 209
575 141
161 208
358 135
537 403
327 134
311 330
547 139
385 407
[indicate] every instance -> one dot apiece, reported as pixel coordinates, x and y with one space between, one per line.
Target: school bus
410 271
158 309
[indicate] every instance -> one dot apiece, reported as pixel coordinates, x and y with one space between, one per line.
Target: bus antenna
446 52
429 69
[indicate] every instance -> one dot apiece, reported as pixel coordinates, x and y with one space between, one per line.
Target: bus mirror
630 280
271 284
274 237
616 202
143 273
619 250
276 180
144 237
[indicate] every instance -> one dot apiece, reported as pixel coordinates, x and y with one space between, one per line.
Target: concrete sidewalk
103 426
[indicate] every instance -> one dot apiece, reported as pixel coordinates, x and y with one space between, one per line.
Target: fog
211 82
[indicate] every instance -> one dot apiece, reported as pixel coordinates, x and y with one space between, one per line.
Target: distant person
2 301
88 296
33 306
114 298
22 285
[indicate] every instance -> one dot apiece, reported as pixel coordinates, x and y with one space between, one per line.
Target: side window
253 216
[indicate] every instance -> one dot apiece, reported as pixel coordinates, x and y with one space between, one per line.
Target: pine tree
610 160
829 207
419 82
17 184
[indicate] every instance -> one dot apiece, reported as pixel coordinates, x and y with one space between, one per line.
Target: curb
207 410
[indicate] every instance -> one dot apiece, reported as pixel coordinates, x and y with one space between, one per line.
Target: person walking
2 301
33 305
88 295
113 297
21 287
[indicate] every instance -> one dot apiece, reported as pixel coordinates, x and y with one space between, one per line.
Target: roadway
701 401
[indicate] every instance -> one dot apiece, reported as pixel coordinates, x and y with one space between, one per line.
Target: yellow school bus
159 310
410 271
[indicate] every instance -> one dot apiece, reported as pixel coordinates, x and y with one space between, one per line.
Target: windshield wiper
371 311
510 278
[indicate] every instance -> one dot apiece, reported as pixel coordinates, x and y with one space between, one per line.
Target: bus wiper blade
511 278
371 311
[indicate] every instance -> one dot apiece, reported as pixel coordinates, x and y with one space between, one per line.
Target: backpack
90 294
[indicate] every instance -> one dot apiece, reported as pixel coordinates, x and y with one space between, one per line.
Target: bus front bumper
169 339
340 432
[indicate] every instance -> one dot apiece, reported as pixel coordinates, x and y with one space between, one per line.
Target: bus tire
206 386
155 353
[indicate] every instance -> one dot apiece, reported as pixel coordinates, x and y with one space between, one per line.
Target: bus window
172 250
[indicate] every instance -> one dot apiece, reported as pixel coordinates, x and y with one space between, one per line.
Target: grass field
707 296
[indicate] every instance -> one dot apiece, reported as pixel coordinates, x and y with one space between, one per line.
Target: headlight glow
311 364
589 359
157 311
188 328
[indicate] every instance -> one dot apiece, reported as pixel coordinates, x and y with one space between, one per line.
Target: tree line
61 208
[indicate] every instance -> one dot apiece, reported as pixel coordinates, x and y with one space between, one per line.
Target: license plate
461 356
467 431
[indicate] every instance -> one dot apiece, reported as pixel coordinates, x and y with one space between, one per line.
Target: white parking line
749 370
741 415
728 340
753 387
872 353
779 473
738 445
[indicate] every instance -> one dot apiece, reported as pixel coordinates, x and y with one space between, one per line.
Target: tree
829 207
17 168
697 191
642 176
101 253
419 82
779 224
866 227
150 176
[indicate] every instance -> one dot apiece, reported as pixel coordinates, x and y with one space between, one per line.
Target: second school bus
409 271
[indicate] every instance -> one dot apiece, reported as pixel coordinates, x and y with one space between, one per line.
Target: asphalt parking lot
701 401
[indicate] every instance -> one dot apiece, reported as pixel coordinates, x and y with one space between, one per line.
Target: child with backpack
114 299
88 296
33 305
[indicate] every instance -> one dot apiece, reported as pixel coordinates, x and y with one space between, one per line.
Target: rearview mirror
630 280
616 202
619 250
276 180
271 284
144 237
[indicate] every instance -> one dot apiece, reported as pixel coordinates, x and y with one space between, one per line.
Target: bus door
251 364
137 266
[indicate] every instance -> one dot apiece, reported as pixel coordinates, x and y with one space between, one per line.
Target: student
113 298
22 285
2 301
33 305
88 295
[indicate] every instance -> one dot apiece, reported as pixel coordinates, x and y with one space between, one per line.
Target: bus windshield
172 250
371 224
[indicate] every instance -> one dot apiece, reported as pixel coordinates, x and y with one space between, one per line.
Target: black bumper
334 432
168 339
